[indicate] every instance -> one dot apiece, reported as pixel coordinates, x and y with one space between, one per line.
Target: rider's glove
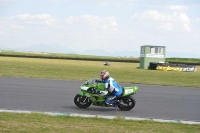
98 81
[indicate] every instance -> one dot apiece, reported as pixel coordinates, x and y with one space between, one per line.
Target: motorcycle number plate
128 91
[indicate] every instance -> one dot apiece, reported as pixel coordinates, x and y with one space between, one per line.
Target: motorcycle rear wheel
82 101
128 103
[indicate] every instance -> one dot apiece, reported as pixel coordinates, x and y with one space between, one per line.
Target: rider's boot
108 105
117 102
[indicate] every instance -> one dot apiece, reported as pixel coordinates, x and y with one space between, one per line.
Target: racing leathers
114 88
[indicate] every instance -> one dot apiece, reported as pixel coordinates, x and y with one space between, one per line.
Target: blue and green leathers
87 95
114 88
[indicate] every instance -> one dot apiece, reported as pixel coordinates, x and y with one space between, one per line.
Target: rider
112 86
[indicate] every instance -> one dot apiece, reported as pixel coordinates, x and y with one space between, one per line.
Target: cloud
170 22
177 7
154 15
92 21
5 1
187 27
185 21
8 34
1 23
8 29
197 19
73 27
184 18
39 19
167 26
70 20
51 0
16 26
129 37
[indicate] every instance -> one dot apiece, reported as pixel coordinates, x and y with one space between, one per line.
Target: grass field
89 57
65 56
83 70
32 123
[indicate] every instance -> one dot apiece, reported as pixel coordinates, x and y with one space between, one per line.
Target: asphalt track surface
156 102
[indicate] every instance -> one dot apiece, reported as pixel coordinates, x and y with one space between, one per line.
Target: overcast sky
110 25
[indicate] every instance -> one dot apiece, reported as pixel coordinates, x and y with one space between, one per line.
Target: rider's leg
111 101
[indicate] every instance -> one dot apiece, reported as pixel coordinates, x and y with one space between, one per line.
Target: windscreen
91 81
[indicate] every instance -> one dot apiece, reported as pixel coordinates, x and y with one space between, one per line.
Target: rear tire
128 103
82 101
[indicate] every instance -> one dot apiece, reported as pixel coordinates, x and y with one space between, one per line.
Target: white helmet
104 75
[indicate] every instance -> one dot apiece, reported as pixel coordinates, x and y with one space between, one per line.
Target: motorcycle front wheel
127 103
82 101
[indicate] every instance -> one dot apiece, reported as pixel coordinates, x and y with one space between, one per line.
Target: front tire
82 101
127 103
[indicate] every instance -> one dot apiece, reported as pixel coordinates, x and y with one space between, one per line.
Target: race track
158 102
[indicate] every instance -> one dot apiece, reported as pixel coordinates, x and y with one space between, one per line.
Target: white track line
97 116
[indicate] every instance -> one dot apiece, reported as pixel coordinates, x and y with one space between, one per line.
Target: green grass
84 70
186 60
90 57
65 56
32 123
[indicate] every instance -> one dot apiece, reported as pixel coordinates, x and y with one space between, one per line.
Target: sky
107 26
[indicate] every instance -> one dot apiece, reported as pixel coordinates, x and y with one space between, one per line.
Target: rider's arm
110 86
100 92
107 86
105 92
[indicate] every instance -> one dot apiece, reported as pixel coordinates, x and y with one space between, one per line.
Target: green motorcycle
86 96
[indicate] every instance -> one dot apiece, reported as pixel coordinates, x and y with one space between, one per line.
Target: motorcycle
86 96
